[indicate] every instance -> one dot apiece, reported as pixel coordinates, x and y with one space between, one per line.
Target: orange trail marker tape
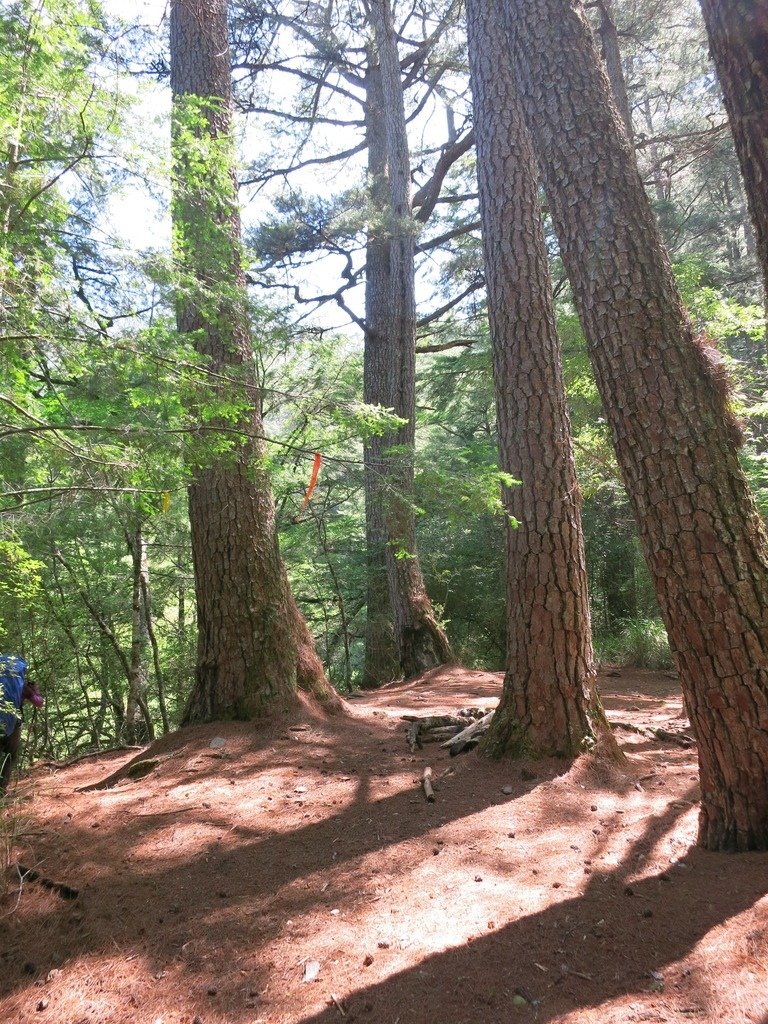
312 480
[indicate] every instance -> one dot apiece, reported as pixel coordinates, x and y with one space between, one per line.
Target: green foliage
721 316
20 575
20 582
459 489
304 223
639 642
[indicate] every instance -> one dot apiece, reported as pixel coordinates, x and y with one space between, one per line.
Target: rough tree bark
390 359
738 40
254 648
609 43
549 704
663 393
381 662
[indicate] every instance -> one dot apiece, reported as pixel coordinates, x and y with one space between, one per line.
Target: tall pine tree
665 401
254 648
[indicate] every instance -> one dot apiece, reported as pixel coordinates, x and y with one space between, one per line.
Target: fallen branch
437 728
438 735
133 770
77 758
682 739
426 783
469 737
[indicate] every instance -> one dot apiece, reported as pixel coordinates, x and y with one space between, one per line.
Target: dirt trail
212 888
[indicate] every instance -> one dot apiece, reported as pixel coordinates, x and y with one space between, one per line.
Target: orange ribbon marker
312 480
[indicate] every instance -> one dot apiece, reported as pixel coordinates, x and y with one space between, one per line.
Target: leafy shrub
639 642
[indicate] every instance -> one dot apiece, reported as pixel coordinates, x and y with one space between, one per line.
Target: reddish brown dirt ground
212 888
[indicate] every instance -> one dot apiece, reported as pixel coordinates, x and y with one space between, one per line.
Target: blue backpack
12 672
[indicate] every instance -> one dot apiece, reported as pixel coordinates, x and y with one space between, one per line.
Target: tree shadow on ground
613 940
160 884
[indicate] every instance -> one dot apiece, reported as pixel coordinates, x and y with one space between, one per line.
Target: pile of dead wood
457 733
462 731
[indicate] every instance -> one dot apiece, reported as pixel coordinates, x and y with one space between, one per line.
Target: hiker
14 690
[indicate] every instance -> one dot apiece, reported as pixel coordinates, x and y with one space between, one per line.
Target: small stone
519 1001
648 912
42 1004
557 885
211 990
311 970
217 743
368 961
628 890
52 975
507 790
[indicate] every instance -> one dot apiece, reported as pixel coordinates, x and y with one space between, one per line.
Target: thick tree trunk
738 40
390 362
381 662
663 393
254 648
549 704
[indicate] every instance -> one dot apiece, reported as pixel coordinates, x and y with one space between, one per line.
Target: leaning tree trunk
738 40
549 704
390 361
254 648
664 397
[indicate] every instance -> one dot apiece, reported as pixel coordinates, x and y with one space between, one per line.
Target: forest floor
296 874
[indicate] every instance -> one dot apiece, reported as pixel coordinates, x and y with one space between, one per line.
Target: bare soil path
214 888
